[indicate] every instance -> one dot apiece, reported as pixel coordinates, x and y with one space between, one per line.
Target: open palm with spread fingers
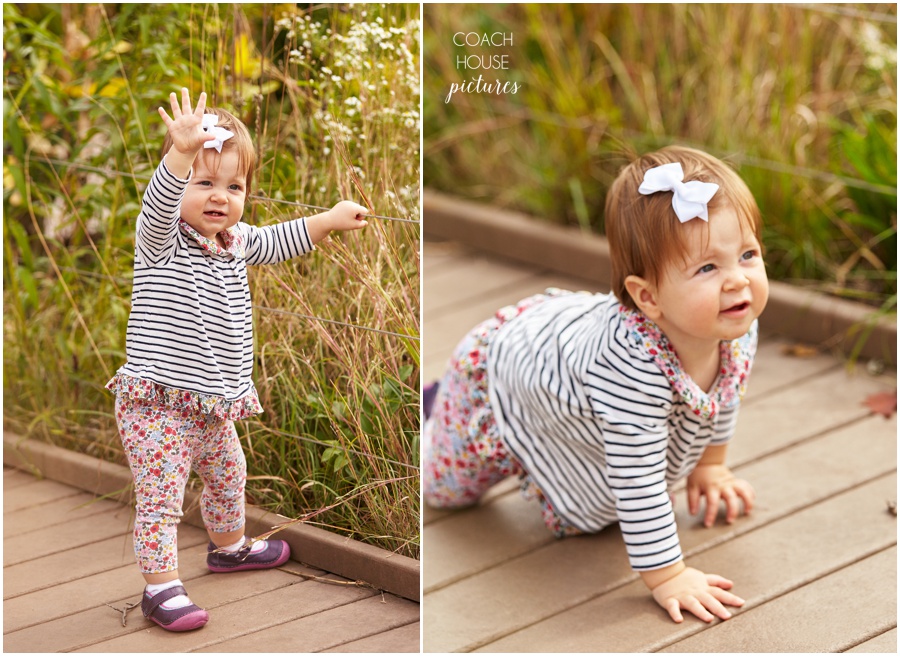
185 126
704 595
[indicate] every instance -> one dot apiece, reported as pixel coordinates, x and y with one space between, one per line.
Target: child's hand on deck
716 482
184 125
347 215
704 595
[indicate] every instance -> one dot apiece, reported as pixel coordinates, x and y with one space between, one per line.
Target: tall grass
802 99
331 96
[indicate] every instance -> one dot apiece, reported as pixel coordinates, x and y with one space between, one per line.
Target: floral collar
234 243
736 357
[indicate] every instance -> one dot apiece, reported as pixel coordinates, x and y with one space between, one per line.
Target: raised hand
184 125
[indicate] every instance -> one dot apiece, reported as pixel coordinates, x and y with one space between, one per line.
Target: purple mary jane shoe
276 553
178 619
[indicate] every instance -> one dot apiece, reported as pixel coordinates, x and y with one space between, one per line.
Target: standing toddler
189 348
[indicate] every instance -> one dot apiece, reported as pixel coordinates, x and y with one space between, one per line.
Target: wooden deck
68 560
816 561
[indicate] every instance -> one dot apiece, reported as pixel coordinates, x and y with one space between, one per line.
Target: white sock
258 546
170 604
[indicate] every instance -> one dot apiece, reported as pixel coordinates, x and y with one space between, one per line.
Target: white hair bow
220 134
689 199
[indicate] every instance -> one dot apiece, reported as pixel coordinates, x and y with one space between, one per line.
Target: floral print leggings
464 452
162 445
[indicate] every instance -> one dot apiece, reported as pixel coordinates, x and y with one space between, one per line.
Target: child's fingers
674 609
712 605
185 101
745 491
165 116
173 103
716 581
732 505
726 597
712 507
693 495
201 104
693 605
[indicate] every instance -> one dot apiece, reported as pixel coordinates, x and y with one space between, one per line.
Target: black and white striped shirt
586 405
191 325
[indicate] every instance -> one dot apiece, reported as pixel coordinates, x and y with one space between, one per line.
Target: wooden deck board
626 620
886 643
496 581
394 641
334 627
848 614
64 536
57 512
66 559
34 494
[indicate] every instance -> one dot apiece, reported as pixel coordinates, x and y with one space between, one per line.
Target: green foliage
803 100
331 96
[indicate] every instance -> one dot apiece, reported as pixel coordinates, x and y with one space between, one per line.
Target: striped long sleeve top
189 340
590 398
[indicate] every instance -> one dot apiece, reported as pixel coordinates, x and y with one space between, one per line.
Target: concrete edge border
322 549
803 315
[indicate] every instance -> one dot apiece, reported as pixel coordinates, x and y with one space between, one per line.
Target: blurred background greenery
802 99
331 94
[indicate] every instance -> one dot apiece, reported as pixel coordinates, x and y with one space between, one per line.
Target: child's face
720 287
214 201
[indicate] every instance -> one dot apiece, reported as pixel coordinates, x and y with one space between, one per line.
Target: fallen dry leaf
800 350
882 403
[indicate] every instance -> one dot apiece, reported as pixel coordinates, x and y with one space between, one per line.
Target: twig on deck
124 611
357 583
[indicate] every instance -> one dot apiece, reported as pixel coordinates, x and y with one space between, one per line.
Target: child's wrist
329 221
713 455
179 163
656 577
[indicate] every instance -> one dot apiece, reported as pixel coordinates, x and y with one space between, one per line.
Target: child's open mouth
738 309
214 214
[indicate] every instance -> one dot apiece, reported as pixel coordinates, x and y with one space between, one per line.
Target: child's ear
644 296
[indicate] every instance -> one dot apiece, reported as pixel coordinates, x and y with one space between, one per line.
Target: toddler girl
601 402
190 348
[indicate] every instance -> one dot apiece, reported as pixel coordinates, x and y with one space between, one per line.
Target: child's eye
236 187
749 255
706 268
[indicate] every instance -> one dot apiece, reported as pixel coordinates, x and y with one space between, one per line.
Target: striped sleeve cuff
649 531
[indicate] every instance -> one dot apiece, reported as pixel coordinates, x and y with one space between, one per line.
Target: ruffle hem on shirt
178 399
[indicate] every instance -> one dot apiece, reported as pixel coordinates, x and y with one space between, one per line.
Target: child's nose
736 279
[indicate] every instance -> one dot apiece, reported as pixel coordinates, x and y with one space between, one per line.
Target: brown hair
643 231
241 143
